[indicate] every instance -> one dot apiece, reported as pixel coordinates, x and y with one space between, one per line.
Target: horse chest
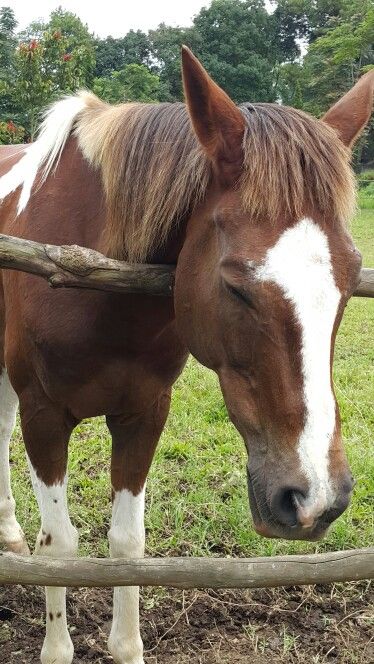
95 353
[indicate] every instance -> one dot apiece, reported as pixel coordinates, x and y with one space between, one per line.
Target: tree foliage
49 60
132 83
113 54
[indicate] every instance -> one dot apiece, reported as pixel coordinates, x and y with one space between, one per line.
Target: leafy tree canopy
113 54
132 83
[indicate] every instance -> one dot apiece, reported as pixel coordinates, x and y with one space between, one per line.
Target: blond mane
152 168
154 171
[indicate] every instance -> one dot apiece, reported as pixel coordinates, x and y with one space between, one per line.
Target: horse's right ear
217 121
351 113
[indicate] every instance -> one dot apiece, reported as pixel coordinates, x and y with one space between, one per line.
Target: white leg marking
300 264
11 534
57 538
127 539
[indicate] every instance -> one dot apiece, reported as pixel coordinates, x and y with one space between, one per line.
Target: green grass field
197 499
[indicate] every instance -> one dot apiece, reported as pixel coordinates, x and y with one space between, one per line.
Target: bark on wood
366 285
189 572
78 267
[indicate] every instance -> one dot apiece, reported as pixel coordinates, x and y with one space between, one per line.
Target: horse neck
169 252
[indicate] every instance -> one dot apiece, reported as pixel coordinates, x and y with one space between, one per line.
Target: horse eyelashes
240 295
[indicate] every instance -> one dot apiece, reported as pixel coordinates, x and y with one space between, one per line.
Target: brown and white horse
252 204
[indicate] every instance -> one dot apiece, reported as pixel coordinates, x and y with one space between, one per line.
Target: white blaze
300 264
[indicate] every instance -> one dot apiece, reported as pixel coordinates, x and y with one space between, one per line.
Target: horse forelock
294 162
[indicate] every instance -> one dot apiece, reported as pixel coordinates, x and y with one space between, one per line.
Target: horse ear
217 121
352 112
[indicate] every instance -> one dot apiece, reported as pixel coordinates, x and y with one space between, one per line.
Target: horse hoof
126 653
20 547
57 653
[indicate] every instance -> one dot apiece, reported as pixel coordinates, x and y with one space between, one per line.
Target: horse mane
152 167
154 172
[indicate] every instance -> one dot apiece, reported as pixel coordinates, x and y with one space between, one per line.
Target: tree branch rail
78 267
189 572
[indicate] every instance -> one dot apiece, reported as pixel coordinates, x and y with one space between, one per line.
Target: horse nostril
284 505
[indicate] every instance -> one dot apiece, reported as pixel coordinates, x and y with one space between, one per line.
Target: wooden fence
189 572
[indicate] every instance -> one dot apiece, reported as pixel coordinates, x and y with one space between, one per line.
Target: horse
252 205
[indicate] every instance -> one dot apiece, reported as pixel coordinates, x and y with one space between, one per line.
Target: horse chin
278 531
287 534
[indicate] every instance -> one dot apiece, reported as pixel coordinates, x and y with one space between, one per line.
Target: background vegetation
305 53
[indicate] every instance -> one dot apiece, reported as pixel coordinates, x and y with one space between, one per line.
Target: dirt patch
300 625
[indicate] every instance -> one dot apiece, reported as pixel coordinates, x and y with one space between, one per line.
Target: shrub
11 133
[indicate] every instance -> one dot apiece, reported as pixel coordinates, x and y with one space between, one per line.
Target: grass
366 189
197 499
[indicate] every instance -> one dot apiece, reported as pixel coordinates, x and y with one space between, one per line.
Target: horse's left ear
352 112
217 121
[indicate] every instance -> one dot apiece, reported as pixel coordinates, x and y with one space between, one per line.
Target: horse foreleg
46 434
134 443
11 535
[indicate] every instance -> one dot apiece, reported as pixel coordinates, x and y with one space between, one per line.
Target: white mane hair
45 152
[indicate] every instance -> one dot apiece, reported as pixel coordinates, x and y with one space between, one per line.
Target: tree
8 25
166 43
52 58
8 42
132 83
43 70
291 83
339 55
78 41
113 54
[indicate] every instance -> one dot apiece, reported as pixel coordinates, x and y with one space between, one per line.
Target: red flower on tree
33 45
11 127
66 57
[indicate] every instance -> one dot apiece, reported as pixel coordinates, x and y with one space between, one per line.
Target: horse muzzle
288 513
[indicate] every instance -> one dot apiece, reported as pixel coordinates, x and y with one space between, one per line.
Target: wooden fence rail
189 572
79 267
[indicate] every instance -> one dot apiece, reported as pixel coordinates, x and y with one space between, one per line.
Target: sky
112 17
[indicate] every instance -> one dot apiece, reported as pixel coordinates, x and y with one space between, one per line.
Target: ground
196 627
197 505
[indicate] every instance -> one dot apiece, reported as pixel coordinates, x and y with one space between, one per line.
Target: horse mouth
266 526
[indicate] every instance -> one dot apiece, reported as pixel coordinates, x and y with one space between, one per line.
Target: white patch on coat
300 264
11 534
127 539
57 539
45 152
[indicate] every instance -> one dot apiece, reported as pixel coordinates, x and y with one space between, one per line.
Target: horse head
262 281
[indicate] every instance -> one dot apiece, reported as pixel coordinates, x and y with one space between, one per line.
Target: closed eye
240 295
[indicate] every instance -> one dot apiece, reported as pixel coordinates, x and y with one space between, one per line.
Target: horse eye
240 295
